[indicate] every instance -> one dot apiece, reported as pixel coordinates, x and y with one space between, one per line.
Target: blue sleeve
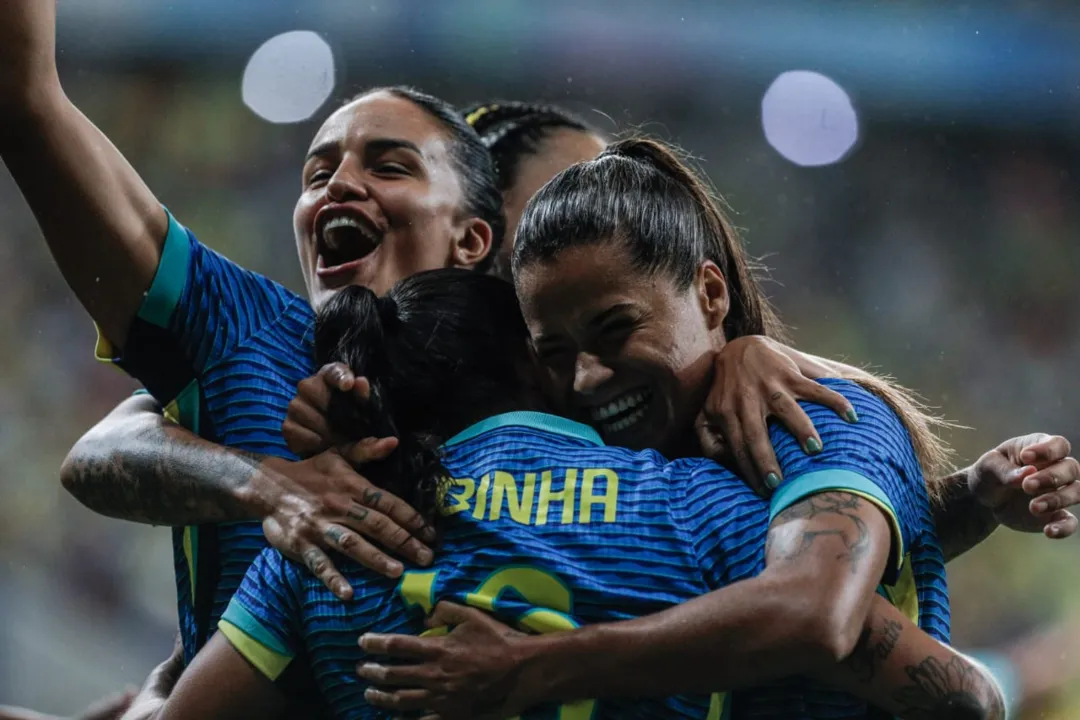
262 620
873 458
724 521
199 308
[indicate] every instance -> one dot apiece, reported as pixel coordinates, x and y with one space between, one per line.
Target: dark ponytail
639 192
512 131
352 328
444 349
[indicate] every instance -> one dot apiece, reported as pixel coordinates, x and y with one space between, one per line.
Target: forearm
136 465
899 668
745 634
824 555
962 522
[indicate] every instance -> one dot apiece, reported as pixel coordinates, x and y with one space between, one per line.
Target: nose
346 184
589 373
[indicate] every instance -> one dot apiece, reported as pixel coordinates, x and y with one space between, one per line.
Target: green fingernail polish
772 481
813 446
851 416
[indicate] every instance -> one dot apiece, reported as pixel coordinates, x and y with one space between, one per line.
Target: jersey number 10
550 597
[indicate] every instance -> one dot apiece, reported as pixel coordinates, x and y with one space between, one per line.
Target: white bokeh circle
289 77
809 119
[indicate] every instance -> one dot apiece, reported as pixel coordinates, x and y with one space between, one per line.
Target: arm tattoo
962 523
948 690
162 474
868 656
843 507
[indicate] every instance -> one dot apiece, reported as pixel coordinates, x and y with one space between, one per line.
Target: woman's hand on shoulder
755 379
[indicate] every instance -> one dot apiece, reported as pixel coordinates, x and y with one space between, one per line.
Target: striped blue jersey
225 348
873 458
550 530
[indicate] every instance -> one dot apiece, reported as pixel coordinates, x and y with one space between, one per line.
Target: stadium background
942 248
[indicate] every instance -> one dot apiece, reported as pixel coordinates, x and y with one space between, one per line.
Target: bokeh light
809 119
289 77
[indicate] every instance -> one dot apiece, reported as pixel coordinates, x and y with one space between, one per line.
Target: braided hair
514 130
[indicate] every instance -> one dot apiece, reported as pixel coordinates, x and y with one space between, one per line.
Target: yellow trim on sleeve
103 349
904 594
267 661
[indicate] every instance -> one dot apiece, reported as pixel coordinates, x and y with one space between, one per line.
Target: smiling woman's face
380 200
626 352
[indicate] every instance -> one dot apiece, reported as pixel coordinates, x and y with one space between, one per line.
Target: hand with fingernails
324 503
756 379
1029 482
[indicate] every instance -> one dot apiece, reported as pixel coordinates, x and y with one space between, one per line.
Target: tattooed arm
825 557
138 466
899 668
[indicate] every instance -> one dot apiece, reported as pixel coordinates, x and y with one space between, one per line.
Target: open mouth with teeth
621 412
343 241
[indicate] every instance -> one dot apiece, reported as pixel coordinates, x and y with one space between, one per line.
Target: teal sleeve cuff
239 616
803 486
164 293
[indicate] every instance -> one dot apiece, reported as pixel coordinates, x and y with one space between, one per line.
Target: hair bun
387 308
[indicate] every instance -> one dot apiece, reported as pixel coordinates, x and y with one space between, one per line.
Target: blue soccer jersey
873 458
549 530
225 348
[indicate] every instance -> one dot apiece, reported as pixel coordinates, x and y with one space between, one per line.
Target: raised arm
102 223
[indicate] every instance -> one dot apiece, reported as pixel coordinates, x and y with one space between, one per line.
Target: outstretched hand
1029 482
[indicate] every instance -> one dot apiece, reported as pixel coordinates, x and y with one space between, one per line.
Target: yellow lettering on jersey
504 484
461 499
417 588
564 496
589 498
481 497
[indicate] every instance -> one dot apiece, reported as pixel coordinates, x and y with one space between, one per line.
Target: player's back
546 528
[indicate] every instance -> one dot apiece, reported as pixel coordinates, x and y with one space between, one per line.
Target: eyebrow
376 145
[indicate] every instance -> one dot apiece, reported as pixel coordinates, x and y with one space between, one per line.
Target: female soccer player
630 279
395 182
543 524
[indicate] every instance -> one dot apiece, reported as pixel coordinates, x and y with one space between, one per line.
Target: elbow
832 632
817 626
76 470
824 626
